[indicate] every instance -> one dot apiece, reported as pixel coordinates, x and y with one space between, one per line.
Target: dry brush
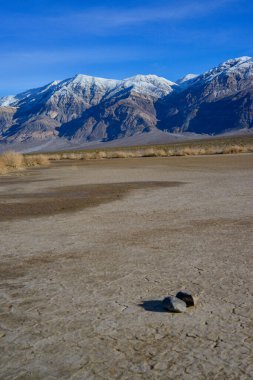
12 161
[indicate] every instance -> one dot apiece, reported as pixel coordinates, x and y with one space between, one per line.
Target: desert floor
89 249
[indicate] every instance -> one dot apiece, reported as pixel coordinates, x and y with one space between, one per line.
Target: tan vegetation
237 149
152 152
36 160
3 168
10 161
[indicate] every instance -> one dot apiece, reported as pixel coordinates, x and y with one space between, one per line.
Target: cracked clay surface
81 287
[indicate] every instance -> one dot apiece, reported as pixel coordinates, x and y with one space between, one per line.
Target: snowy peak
84 81
29 96
217 101
81 85
86 108
151 85
150 78
235 63
90 90
243 66
37 91
186 79
7 101
84 89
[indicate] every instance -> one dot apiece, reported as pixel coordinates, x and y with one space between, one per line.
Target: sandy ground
84 269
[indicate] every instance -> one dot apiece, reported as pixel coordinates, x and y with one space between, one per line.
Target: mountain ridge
85 109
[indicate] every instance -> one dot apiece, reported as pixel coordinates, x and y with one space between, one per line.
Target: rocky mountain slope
217 101
84 109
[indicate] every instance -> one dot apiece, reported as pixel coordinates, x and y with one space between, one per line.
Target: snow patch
186 78
7 101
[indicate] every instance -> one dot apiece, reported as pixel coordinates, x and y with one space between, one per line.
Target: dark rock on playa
187 298
174 304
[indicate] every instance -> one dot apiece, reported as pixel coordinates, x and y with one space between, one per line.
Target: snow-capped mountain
232 75
241 66
85 108
77 107
127 108
217 101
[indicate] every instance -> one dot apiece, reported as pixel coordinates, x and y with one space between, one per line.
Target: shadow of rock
153 305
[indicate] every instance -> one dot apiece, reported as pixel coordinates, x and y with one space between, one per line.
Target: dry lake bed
89 249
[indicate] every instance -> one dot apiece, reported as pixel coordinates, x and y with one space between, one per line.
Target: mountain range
85 110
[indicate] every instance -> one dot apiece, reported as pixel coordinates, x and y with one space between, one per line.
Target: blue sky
44 40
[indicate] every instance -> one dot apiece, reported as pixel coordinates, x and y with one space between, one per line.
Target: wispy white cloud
95 20
106 19
119 41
